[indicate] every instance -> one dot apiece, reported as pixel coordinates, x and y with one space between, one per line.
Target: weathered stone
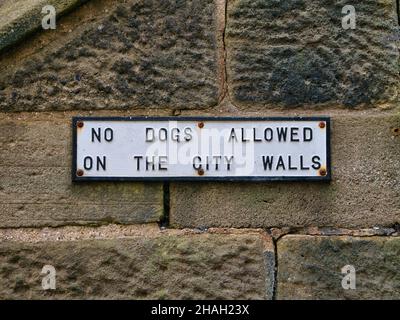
135 54
47 197
35 143
363 192
310 267
150 265
36 187
293 53
19 18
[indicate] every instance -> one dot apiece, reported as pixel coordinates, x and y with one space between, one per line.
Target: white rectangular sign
257 149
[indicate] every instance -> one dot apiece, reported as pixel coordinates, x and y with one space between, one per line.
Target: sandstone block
36 187
20 18
297 53
363 192
131 54
150 265
310 267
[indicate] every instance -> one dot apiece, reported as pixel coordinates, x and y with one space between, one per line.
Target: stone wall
198 240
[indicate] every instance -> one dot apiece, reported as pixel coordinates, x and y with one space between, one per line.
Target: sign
186 148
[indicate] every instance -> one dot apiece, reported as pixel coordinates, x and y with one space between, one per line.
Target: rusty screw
79 124
79 172
322 172
200 172
201 125
322 124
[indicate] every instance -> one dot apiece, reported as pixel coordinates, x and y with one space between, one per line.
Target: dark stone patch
296 53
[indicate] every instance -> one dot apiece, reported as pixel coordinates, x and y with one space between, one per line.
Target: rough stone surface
363 192
177 57
134 54
27 143
19 18
152 266
310 267
292 53
36 187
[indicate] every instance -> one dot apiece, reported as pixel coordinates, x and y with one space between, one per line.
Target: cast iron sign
187 148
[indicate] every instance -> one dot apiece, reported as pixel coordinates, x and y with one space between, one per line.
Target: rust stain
323 172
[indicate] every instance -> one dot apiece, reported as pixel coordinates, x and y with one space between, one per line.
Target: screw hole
322 172
79 172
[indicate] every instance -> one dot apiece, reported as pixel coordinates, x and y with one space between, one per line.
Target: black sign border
325 178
